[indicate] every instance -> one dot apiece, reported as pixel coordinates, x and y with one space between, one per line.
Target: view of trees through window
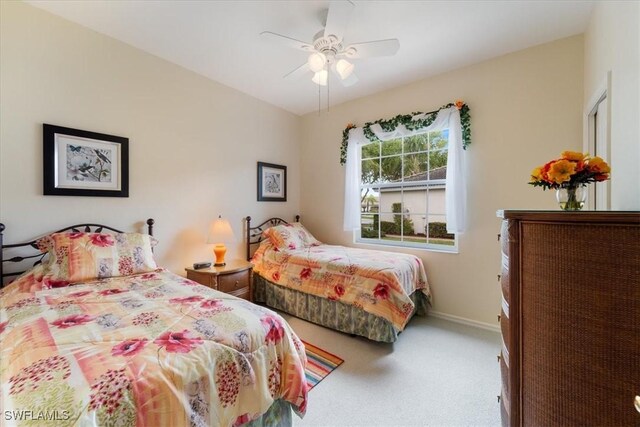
402 190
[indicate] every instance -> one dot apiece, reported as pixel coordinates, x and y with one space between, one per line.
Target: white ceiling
220 39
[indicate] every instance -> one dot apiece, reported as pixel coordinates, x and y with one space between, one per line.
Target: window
402 192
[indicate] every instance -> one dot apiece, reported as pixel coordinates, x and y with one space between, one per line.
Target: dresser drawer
504 412
504 328
504 237
233 283
202 278
504 278
504 374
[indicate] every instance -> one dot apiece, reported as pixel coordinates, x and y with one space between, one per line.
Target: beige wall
194 143
612 43
526 108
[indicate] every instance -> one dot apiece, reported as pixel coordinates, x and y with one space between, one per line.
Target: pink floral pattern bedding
152 349
375 281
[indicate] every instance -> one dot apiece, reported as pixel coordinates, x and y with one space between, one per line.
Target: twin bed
360 292
95 333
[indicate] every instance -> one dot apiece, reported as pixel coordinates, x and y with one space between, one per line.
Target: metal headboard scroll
38 257
254 234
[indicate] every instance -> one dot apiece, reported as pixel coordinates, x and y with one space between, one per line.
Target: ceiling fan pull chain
319 105
328 79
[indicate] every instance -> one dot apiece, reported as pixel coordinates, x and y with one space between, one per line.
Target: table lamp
220 233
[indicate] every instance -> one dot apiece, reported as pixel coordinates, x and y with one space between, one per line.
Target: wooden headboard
254 234
38 257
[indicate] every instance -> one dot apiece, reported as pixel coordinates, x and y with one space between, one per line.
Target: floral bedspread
151 349
375 281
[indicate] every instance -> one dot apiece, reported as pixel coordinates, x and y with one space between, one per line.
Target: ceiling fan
328 50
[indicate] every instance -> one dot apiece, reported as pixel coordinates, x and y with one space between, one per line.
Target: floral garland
409 123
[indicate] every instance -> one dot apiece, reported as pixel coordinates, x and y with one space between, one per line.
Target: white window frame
426 183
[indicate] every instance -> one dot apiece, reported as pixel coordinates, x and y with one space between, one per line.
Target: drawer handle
237 283
636 403
499 318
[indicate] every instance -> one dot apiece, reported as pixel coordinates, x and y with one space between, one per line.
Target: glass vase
571 198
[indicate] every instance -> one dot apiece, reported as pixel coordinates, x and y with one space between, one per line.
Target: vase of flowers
569 175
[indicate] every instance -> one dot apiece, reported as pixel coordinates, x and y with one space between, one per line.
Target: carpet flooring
320 363
438 373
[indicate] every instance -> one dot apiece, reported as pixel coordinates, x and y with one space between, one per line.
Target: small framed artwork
272 182
83 163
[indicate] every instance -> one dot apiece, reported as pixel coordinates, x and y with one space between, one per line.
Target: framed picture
272 182
82 163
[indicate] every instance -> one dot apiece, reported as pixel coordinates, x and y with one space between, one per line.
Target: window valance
408 122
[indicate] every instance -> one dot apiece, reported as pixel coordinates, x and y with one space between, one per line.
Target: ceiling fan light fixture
316 62
344 68
320 78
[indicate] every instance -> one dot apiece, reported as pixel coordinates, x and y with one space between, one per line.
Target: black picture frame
81 176
272 182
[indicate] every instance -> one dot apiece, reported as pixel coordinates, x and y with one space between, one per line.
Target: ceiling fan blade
338 18
349 81
285 41
298 72
387 47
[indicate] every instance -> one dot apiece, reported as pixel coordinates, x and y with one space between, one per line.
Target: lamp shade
344 68
221 232
316 61
320 78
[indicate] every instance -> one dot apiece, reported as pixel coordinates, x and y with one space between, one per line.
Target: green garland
409 123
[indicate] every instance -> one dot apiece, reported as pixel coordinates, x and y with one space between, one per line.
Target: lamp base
219 251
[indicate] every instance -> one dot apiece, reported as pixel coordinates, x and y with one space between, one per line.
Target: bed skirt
332 314
280 414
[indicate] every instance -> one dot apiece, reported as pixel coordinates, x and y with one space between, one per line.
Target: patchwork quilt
151 349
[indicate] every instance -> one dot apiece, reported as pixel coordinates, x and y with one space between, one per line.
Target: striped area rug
320 363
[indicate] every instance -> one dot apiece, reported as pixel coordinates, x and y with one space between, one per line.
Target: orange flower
459 104
536 174
596 164
561 171
576 156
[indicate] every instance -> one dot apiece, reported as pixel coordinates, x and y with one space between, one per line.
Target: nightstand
233 278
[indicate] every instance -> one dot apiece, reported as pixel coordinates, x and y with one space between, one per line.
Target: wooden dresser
570 318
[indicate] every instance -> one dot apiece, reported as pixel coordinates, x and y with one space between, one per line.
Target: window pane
437 231
371 150
391 168
370 199
392 147
439 139
437 160
415 167
369 226
370 171
416 143
436 199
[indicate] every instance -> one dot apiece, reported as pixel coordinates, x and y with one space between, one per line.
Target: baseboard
464 321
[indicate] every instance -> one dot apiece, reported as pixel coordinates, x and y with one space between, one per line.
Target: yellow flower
536 174
597 164
561 171
576 156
